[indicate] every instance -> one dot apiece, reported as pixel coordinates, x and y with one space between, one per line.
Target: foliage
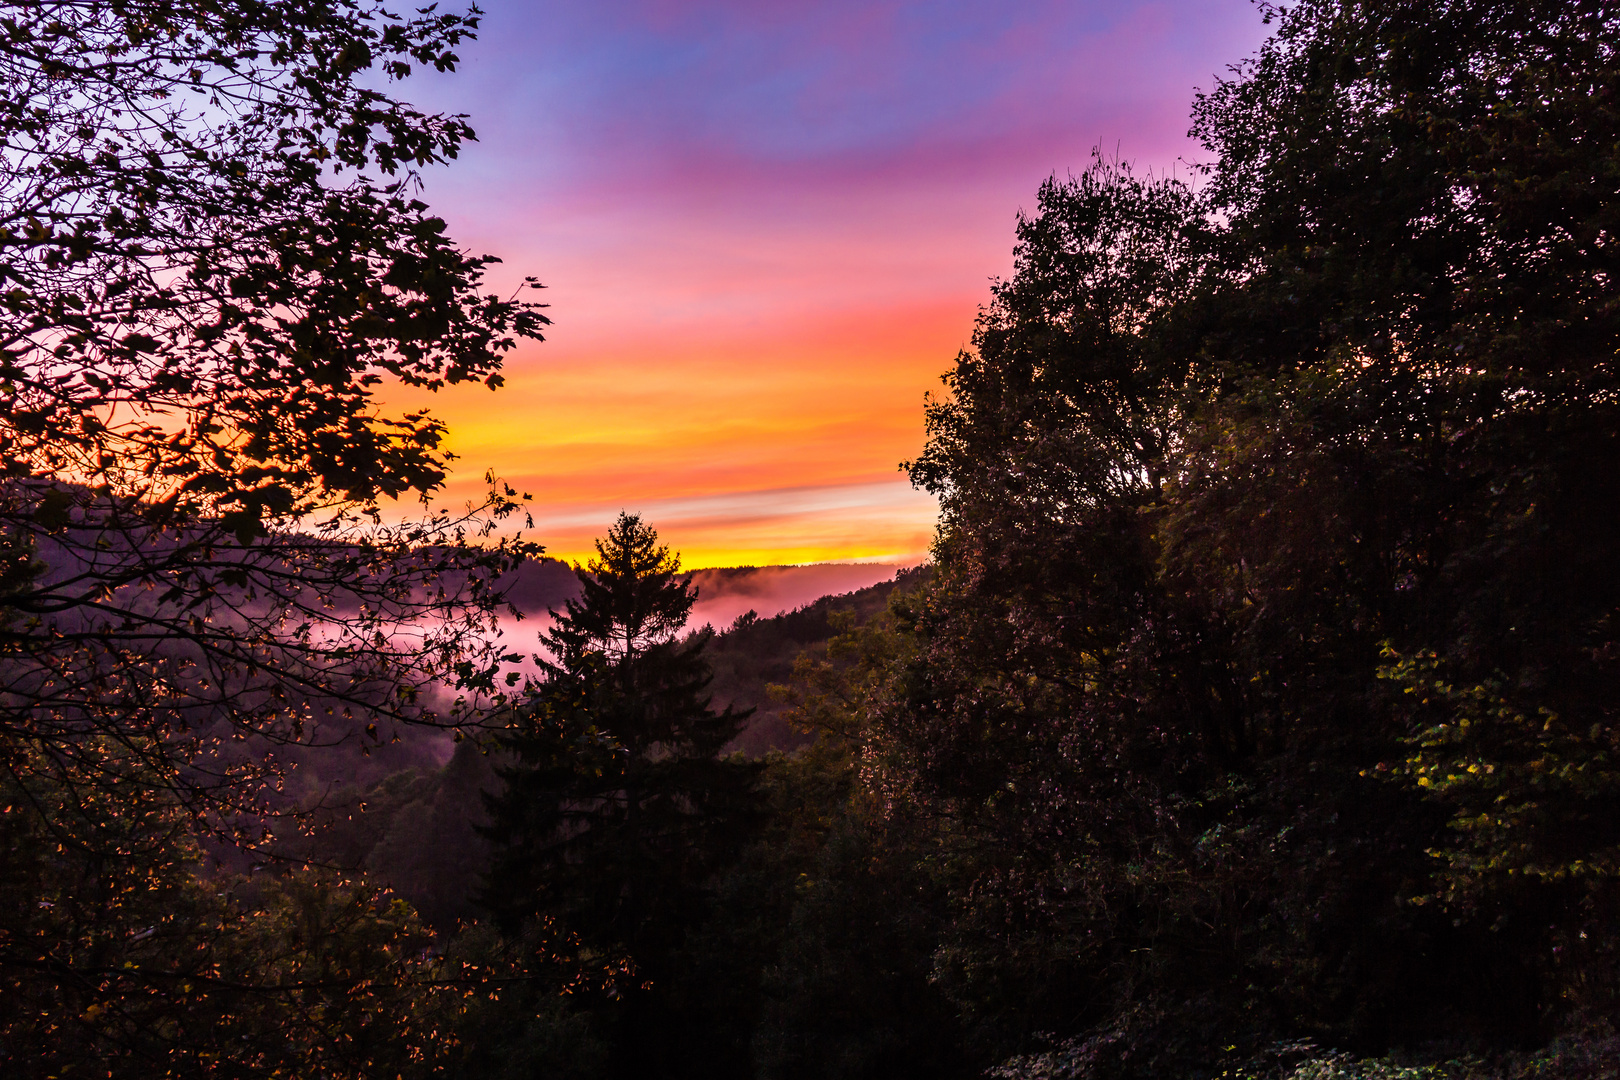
618 810
755 654
1532 798
123 952
1583 1058
1265 685
125 958
213 257
812 951
205 285
848 987
618 800
414 832
205 288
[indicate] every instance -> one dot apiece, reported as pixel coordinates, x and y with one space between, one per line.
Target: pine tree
618 805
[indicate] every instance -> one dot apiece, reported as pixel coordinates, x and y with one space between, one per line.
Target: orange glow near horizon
780 445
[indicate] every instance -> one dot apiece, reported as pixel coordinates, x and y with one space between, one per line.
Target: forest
1254 717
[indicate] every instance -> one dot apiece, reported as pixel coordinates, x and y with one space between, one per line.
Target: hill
723 592
413 826
755 652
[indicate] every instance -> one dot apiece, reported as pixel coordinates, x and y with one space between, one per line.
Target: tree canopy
213 260
620 802
1268 668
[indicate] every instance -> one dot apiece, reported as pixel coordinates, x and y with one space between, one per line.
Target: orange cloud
775 443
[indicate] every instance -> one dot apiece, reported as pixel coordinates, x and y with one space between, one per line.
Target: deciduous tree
1269 666
213 259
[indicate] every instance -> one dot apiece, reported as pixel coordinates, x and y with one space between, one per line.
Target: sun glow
777 446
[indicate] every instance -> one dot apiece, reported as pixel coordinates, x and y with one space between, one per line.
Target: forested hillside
755 654
413 827
1255 716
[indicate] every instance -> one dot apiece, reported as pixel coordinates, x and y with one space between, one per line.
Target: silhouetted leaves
211 258
1267 673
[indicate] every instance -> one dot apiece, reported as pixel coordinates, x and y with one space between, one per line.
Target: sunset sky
765 229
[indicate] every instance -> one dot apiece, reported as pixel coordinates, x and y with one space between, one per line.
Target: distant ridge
723 592
751 654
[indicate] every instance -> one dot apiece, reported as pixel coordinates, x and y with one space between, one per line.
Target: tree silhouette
619 806
206 281
1267 675
212 258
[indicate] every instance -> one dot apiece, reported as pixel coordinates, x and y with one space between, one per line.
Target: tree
206 286
1267 676
851 897
122 960
1063 712
619 804
1430 321
619 809
213 259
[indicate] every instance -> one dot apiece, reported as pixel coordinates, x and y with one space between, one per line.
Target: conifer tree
619 806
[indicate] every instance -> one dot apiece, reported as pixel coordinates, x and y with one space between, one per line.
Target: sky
765 229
